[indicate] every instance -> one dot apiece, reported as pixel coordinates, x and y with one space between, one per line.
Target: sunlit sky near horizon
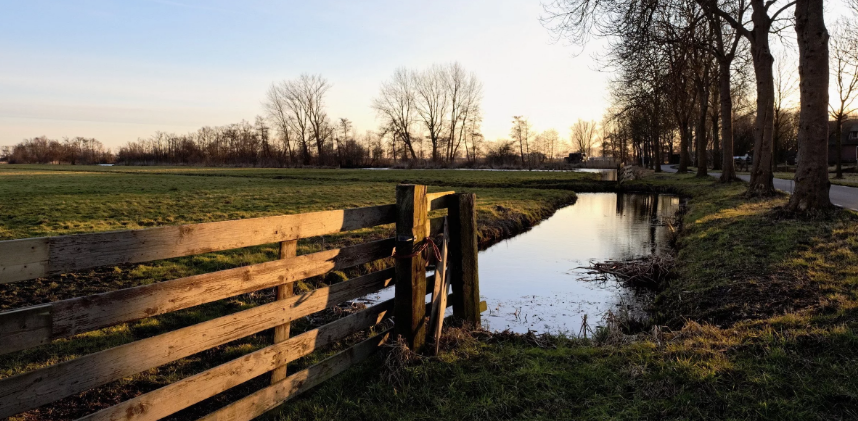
119 70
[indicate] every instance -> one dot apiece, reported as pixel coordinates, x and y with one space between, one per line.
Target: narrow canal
537 281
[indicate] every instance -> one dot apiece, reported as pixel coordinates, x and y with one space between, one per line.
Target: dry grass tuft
397 358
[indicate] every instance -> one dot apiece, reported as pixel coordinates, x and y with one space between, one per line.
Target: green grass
60 200
759 324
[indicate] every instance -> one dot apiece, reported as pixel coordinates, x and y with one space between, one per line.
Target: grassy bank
759 324
59 200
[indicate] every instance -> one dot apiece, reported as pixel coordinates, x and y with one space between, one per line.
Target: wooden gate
28 327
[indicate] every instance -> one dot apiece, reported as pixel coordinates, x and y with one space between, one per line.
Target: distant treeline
245 144
41 150
428 117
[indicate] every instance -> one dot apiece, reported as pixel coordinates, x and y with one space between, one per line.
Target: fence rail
32 326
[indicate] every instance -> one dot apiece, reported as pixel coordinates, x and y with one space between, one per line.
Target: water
535 281
607 175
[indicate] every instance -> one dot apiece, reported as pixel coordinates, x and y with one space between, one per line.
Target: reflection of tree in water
644 208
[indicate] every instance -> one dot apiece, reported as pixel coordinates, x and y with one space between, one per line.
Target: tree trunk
761 172
684 141
656 136
728 170
838 131
702 158
716 136
811 175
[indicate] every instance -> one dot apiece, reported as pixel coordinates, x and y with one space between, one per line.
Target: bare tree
811 175
472 138
297 106
464 92
396 104
583 136
432 102
844 63
726 45
786 81
281 115
521 133
344 134
313 89
552 140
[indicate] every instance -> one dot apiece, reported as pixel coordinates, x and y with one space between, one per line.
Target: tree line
41 150
684 67
430 115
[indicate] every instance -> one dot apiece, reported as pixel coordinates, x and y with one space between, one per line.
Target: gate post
464 271
410 288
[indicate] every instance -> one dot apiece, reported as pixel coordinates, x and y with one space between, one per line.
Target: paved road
842 196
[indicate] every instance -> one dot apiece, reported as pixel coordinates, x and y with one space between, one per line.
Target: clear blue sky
119 70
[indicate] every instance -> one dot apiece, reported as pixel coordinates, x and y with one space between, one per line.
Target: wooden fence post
410 299
281 333
464 273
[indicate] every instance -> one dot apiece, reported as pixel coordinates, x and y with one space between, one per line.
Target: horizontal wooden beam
439 200
270 397
36 257
32 326
39 387
174 397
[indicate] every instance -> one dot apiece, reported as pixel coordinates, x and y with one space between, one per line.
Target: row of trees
431 114
677 62
41 150
246 144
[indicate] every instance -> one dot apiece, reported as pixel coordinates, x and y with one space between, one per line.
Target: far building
848 143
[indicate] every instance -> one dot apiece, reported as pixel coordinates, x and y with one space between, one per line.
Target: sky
122 70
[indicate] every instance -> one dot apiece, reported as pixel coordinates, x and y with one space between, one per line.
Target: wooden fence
27 327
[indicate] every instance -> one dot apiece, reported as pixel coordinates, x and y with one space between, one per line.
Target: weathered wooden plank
25 328
77 315
32 258
439 200
439 293
189 391
39 387
464 271
410 294
272 396
281 333
23 259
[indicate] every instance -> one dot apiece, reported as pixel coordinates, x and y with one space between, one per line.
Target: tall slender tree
811 175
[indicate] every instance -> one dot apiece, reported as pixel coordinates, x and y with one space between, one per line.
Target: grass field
758 323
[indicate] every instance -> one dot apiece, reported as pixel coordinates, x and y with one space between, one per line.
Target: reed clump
650 272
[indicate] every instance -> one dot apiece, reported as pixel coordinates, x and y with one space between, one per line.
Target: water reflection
607 174
534 281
